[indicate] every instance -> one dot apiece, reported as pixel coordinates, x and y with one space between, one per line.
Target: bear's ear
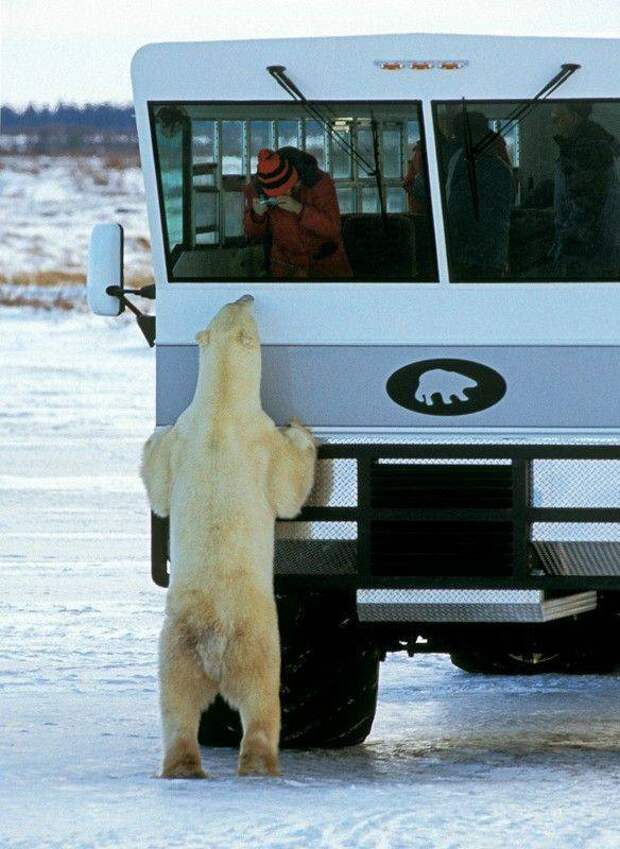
202 337
246 339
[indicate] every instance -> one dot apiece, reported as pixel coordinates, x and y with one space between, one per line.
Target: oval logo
446 387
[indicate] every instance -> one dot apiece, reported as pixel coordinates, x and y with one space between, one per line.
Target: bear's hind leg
185 691
251 683
259 747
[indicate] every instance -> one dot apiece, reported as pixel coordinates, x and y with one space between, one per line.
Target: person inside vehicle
586 196
414 183
292 203
415 180
478 245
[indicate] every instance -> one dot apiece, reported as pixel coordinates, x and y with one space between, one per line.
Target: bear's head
230 355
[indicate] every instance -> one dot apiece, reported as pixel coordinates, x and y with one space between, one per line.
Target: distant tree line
93 116
92 128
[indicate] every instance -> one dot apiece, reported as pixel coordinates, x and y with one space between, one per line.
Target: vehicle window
172 138
535 200
264 192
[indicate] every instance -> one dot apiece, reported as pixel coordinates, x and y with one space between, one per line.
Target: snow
454 760
49 205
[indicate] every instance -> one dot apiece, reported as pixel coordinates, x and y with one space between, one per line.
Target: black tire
506 663
330 675
537 663
587 645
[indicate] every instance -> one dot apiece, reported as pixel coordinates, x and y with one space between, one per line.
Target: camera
265 201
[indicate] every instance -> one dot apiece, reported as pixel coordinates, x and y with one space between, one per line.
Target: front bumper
404 516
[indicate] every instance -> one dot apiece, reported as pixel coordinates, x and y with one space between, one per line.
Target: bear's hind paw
183 771
182 762
258 763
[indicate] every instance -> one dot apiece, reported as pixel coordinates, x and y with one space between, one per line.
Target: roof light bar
421 64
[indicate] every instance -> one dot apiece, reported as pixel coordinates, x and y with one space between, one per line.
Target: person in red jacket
295 203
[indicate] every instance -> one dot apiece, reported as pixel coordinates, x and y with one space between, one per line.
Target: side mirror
105 268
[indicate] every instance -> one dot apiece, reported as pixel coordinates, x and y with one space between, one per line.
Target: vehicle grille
451 548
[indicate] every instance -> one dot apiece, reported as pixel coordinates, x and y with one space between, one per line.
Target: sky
79 51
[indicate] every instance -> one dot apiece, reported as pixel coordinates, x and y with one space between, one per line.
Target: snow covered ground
454 760
48 207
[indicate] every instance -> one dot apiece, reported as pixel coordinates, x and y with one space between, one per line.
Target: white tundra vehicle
464 373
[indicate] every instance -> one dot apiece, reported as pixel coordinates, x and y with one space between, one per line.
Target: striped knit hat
274 174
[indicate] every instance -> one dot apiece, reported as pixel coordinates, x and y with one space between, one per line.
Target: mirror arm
144 292
146 323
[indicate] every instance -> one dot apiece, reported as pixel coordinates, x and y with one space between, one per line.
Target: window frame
354 182
470 101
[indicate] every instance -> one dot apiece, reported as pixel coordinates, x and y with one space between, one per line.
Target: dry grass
68 278
44 278
109 162
99 169
36 290
14 299
100 178
120 161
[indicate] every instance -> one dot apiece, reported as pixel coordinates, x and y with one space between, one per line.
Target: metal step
579 557
469 605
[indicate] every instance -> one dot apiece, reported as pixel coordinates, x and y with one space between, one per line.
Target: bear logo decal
448 384
446 387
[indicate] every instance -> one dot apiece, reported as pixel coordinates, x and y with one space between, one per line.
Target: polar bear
223 473
446 384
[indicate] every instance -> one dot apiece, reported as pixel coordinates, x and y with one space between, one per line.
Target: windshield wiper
473 151
521 111
374 129
278 73
326 121
470 161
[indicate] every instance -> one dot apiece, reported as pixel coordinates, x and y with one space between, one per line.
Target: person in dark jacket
295 203
586 196
478 246
415 180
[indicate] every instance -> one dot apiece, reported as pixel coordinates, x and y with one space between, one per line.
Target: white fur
223 473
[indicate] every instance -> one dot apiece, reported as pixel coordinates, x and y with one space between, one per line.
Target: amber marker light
452 65
421 66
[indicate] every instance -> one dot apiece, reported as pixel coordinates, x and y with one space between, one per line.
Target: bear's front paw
296 430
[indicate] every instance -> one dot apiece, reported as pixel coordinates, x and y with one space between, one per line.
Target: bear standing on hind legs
223 473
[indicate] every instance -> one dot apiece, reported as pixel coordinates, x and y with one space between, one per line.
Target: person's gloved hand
259 208
289 204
